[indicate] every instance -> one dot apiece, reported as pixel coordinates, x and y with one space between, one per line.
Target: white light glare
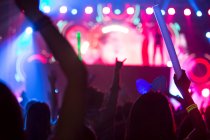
208 35
74 11
63 9
46 9
106 10
29 30
199 13
205 92
130 10
149 10
115 28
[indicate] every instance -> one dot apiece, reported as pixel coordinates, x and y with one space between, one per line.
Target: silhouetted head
11 126
207 117
94 100
151 118
38 121
87 133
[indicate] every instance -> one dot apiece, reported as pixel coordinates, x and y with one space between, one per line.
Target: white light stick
168 41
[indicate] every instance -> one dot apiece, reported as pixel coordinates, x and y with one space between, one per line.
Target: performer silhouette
158 44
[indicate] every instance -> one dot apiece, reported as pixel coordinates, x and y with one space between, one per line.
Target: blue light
143 86
117 11
74 11
45 6
29 30
199 13
163 12
56 90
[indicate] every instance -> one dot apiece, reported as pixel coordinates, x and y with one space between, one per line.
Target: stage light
208 35
85 47
149 10
187 12
163 12
171 11
46 9
117 11
130 10
169 64
74 11
114 28
29 30
205 92
63 9
88 10
106 10
143 86
199 13
209 12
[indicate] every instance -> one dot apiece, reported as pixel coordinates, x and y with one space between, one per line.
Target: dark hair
38 121
151 118
11 117
207 117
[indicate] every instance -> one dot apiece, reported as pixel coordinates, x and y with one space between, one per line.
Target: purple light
149 11
130 10
171 11
187 12
63 9
88 10
106 10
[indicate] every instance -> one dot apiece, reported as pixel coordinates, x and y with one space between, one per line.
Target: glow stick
168 41
79 45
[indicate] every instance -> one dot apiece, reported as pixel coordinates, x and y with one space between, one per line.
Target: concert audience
151 116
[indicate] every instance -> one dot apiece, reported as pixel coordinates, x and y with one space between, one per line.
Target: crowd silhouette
85 114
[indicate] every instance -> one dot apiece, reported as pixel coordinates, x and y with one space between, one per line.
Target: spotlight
117 11
169 64
88 10
130 10
163 12
63 9
209 12
149 10
199 13
205 92
29 30
106 10
171 11
187 12
46 9
208 35
74 11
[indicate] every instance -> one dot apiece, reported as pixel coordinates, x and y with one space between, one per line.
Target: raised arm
112 102
183 85
107 116
72 111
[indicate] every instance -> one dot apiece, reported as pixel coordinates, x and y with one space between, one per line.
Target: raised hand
119 64
183 83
